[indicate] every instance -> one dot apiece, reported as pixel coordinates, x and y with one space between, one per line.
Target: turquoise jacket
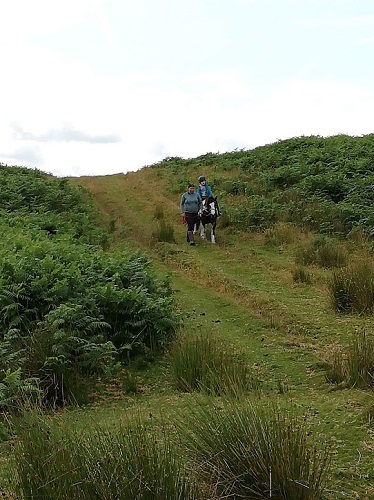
208 191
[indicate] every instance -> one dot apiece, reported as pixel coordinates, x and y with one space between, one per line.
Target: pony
209 216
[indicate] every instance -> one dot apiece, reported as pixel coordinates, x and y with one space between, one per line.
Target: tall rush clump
245 451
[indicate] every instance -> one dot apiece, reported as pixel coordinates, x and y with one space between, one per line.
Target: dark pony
209 216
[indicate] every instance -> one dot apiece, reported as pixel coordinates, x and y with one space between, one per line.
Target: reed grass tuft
352 289
246 451
132 462
203 362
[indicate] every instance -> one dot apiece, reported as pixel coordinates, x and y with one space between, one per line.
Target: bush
68 311
248 452
258 214
14 390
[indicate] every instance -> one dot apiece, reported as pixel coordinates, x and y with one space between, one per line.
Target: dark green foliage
324 184
66 308
70 306
14 389
337 169
258 214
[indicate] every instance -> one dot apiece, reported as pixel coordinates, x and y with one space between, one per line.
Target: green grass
242 292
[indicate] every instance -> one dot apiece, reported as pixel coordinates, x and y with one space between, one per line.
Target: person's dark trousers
191 220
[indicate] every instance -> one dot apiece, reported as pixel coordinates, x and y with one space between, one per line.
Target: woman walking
191 206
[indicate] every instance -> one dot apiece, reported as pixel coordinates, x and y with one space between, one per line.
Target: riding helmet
201 178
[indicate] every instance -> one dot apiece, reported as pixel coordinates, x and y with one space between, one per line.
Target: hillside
243 288
296 216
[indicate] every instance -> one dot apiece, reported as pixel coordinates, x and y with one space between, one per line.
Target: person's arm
182 204
199 202
209 191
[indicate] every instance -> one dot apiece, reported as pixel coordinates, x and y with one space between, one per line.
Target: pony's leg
202 231
213 233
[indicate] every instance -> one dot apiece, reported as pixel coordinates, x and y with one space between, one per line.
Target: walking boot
190 238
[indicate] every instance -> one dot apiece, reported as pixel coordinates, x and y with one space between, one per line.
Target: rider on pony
204 190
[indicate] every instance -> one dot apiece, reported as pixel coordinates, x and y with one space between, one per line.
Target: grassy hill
297 218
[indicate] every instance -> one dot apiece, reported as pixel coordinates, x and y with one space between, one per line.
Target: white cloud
24 19
143 118
69 116
319 107
339 21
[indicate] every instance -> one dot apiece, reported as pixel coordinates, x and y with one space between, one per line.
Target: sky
98 87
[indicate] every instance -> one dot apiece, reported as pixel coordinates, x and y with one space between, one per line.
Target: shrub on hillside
257 214
336 171
164 232
69 307
68 310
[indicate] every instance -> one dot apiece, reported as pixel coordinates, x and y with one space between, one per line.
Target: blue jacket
208 191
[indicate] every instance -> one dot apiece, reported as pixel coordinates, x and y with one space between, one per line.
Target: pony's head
210 206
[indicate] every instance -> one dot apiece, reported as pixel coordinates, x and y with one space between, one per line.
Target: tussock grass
336 371
203 362
281 233
246 451
159 212
322 251
352 289
301 275
164 232
134 462
360 361
356 366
